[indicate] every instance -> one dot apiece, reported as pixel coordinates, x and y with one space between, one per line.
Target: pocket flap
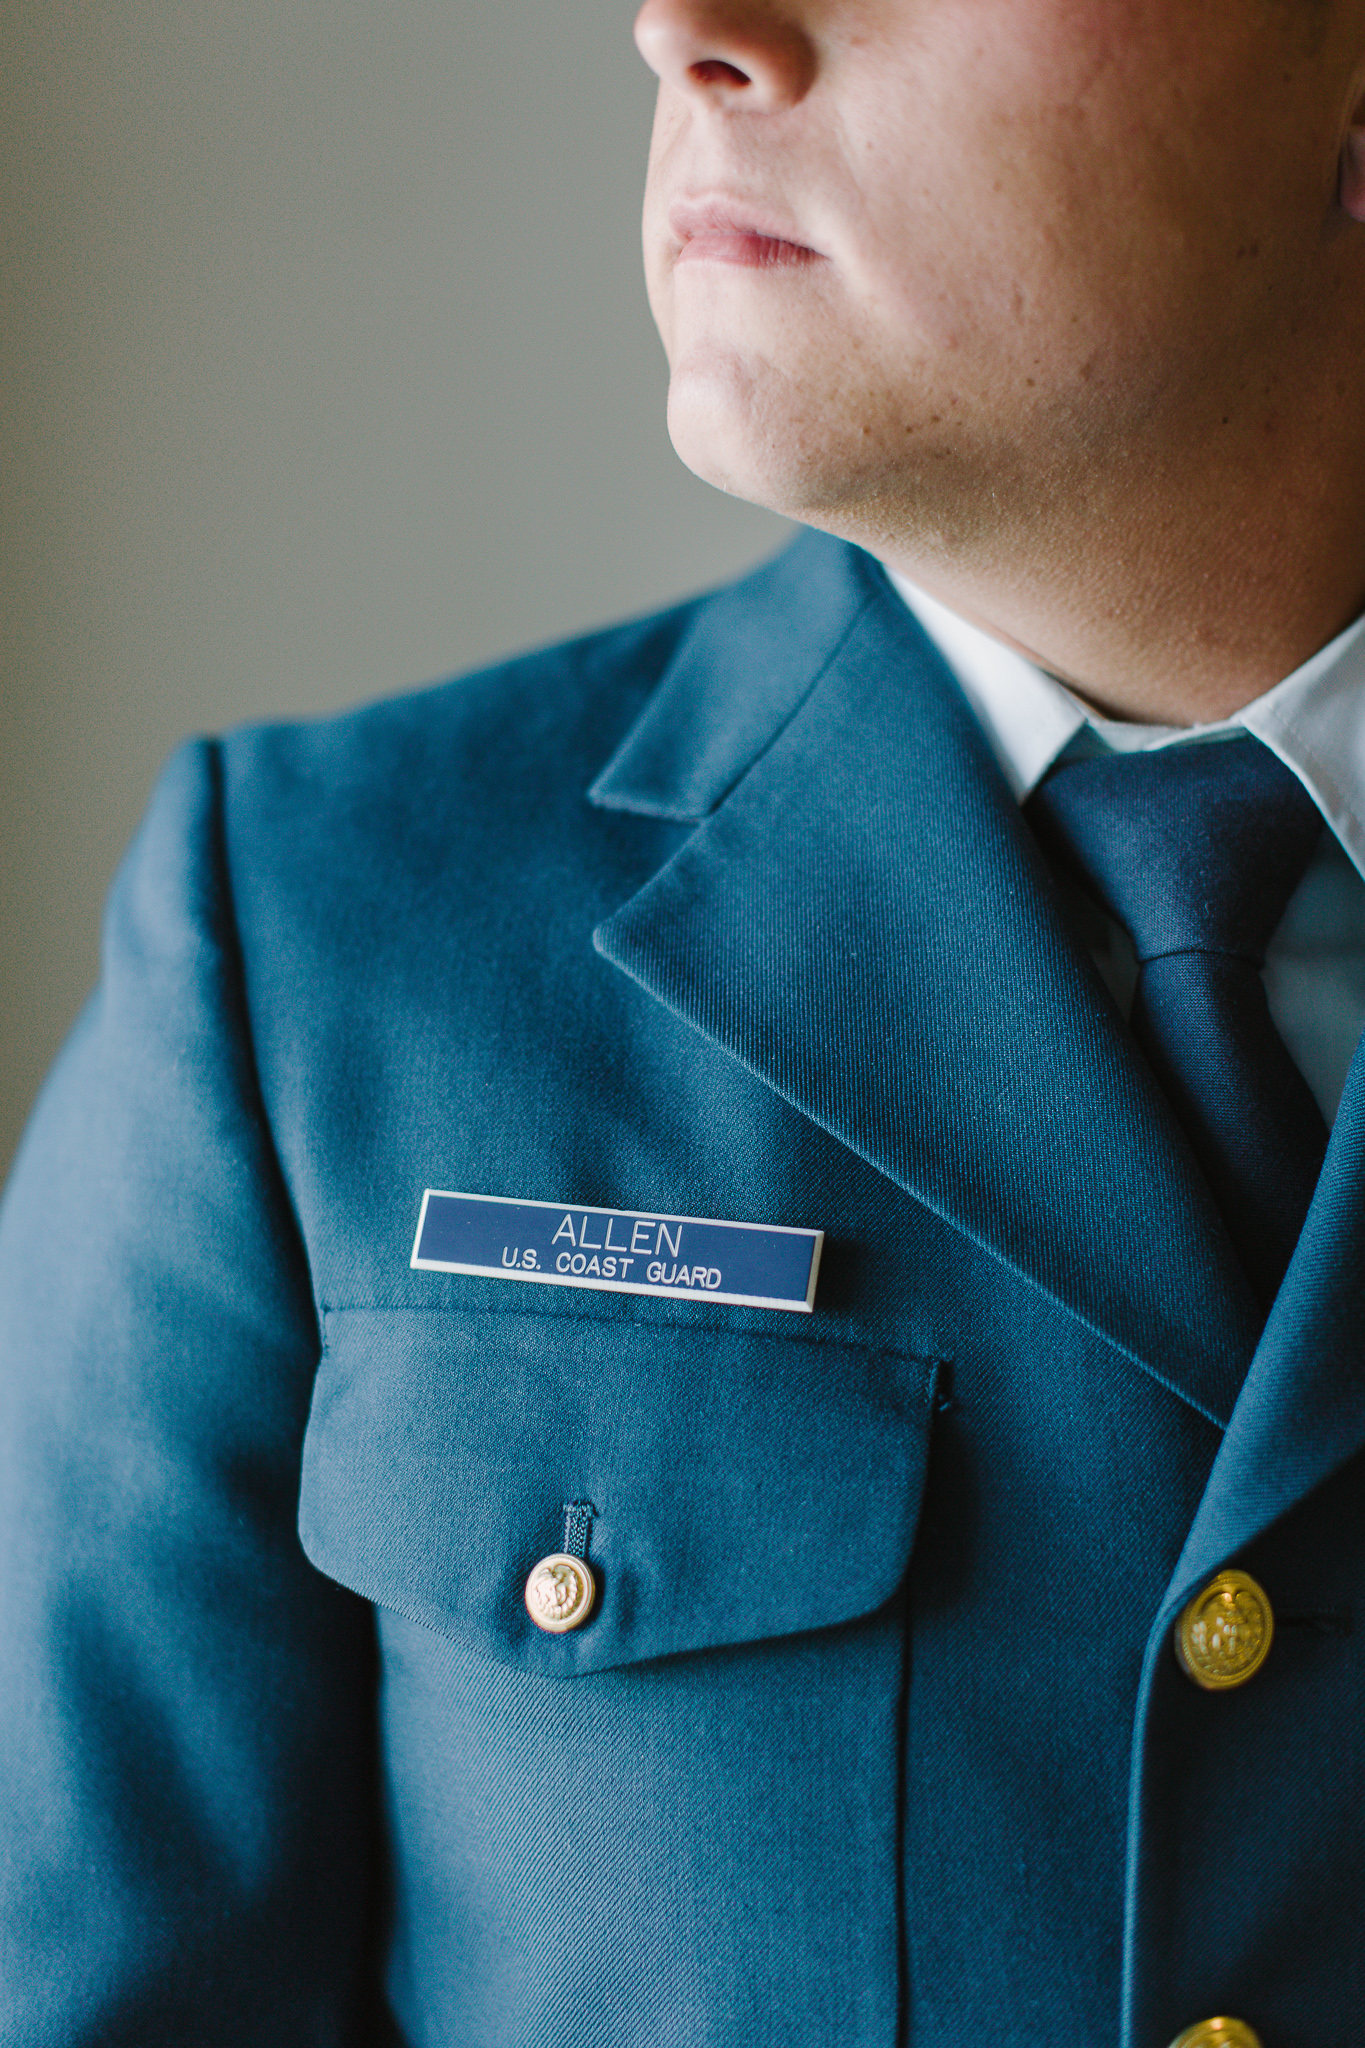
743 1485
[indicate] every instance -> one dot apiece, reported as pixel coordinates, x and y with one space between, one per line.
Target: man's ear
1353 164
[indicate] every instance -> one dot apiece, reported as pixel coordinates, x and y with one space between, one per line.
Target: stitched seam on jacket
235 958
389 1308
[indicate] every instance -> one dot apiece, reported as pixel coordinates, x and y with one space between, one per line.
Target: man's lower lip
748 252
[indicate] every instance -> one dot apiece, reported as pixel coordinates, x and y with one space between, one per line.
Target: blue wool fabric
875 1733
1196 851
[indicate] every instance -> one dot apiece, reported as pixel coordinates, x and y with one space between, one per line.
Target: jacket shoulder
565 705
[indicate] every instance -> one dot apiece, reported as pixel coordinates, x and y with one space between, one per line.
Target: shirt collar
1314 719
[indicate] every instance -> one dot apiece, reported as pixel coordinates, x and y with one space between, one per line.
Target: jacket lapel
1301 1413
862 919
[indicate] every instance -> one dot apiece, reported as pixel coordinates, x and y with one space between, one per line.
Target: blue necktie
1196 851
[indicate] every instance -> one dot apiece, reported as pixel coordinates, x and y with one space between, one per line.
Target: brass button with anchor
560 1592
1222 1639
1222 2033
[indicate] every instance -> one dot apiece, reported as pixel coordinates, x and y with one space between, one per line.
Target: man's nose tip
732 53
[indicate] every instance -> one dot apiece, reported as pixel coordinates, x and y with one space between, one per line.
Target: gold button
560 1593
1223 1638
1218 2034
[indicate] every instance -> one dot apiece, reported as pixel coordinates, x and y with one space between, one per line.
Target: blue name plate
624 1251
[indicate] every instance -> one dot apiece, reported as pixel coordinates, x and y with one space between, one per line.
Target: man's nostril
715 71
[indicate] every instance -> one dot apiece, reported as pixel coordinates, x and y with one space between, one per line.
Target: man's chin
714 457
766 461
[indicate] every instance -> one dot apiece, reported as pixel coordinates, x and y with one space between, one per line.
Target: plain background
327 370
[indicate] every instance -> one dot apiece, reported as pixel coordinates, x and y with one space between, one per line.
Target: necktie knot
1192 849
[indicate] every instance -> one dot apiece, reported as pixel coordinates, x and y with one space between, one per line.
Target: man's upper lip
718 215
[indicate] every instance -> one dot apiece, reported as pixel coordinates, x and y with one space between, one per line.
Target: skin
1058 306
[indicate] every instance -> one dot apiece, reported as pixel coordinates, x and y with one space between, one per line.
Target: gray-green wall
326 370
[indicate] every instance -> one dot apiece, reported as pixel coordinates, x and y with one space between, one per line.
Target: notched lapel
750 658
865 923
1301 1413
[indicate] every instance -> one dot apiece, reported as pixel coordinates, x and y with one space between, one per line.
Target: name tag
623 1251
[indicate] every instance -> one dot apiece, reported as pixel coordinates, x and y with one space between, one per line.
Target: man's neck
1171 599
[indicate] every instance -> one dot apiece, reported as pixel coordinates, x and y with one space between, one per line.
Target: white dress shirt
1314 720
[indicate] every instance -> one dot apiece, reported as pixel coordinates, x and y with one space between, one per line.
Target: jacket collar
750 658
862 919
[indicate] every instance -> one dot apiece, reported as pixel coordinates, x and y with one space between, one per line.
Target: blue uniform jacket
877 1733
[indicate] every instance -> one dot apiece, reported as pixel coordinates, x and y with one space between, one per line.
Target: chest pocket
745 1485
